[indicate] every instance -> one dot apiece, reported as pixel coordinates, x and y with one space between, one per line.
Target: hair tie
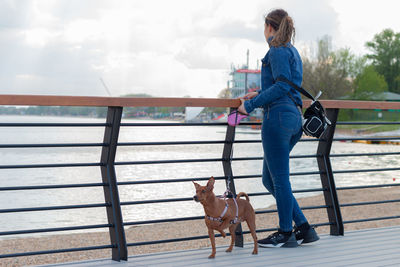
272 22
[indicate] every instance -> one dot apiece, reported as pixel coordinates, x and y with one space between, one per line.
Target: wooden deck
372 247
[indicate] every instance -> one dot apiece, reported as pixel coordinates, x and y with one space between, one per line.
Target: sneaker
305 236
279 239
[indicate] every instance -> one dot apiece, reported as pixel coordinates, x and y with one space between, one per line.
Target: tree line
96 112
341 73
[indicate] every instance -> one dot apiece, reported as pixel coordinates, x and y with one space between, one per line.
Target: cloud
163 48
15 14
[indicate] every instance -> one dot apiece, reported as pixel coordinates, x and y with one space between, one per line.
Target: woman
281 127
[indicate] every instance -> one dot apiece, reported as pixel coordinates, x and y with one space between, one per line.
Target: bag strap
300 89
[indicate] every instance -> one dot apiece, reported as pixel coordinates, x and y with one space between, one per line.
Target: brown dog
223 213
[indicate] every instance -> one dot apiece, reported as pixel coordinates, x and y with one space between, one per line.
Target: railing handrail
95 101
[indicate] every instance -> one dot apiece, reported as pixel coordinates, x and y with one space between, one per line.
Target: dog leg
222 233
232 229
212 239
251 223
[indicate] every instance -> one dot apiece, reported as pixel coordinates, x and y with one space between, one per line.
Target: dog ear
210 183
196 185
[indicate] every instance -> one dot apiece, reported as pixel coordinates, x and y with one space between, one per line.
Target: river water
89 216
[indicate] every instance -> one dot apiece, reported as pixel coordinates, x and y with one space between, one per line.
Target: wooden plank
42 100
352 104
330 251
48 100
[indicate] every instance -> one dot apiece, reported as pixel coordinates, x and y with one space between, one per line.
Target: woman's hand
250 95
247 96
241 108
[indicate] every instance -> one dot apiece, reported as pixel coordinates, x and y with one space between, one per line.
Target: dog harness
219 219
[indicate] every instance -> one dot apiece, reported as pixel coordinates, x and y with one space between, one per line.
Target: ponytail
283 24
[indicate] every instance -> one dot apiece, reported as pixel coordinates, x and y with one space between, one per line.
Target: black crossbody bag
315 121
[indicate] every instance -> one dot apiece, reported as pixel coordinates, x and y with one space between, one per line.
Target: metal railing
110 184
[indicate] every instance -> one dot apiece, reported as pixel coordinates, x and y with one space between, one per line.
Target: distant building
370 96
241 77
244 81
388 96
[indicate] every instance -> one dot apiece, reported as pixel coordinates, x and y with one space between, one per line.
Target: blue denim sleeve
279 58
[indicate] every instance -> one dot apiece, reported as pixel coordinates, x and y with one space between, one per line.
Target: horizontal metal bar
303 208
294 191
52 145
322 224
36 187
46 230
158 124
275 229
22 124
304 156
163 241
366 122
161 181
309 139
364 154
259 175
55 208
261 158
197 160
370 203
373 219
305 173
366 138
263 230
247 158
55 251
186 142
367 170
164 220
152 201
250 123
27 166
366 186
170 143
259 141
167 161
246 141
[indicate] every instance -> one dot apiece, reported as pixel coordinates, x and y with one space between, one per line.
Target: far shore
198 228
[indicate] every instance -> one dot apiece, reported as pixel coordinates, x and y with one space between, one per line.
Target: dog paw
212 256
255 252
228 250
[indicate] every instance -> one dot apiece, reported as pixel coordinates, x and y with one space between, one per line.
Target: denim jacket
279 61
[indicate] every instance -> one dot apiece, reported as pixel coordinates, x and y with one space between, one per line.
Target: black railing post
111 195
227 165
327 179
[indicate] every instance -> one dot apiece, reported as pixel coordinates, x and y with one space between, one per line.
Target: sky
171 48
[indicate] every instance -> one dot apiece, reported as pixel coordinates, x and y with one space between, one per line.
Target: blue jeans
281 129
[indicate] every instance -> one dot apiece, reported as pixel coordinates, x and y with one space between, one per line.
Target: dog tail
243 194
